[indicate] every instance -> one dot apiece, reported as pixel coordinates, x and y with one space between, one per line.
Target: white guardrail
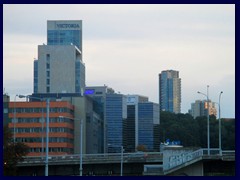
181 158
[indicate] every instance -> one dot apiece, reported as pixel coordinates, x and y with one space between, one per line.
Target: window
48 74
5 110
48 57
48 65
48 81
48 89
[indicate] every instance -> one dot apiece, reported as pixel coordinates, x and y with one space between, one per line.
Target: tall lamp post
47 128
208 129
14 120
121 161
81 144
219 123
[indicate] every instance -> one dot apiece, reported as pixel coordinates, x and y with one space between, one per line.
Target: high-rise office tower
116 113
200 108
142 124
59 67
170 91
99 95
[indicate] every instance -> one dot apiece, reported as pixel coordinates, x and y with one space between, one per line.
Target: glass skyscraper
116 112
148 117
170 91
65 33
142 124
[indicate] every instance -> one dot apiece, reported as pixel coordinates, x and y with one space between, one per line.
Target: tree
142 148
12 153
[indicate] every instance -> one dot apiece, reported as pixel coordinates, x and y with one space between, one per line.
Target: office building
148 119
83 112
170 91
200 108
59 67
30 126
142 124
130 126
98 95
116 112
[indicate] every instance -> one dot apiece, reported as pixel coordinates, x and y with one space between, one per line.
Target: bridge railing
109 157
217 151
228 152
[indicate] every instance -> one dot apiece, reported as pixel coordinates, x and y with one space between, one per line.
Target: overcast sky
127 46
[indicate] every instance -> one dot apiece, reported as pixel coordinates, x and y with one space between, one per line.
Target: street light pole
14 120
219 123
42 121
47 138
121 160
81 148
208 128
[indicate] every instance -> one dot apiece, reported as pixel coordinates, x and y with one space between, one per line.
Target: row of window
37 130
39 140
48 73
57 149
43 109
40 120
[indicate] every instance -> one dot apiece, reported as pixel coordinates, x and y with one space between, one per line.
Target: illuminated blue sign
68 25
173 142
89 91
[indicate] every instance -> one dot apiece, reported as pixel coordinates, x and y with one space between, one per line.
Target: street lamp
208 129
81 144
121 160
14 120
219 123
42 121
47 129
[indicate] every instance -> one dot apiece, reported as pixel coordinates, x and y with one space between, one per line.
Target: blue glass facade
145 125
79 76
129 128
116 112
170 91
65 37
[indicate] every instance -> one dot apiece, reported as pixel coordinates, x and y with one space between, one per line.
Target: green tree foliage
193 132
141 148
12 153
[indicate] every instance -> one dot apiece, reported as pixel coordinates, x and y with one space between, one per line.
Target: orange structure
30 126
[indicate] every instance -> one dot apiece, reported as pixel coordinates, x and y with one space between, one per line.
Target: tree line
13 153
193 132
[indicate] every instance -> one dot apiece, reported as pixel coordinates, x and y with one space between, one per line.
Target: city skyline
127 46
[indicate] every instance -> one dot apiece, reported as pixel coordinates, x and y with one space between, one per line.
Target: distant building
170 91
59 67
200 108
142 124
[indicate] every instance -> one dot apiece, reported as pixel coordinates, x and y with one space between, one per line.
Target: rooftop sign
68 26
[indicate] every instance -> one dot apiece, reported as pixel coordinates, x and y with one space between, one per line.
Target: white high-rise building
59 67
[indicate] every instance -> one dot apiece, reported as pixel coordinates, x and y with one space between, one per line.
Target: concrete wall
62 68
195 169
